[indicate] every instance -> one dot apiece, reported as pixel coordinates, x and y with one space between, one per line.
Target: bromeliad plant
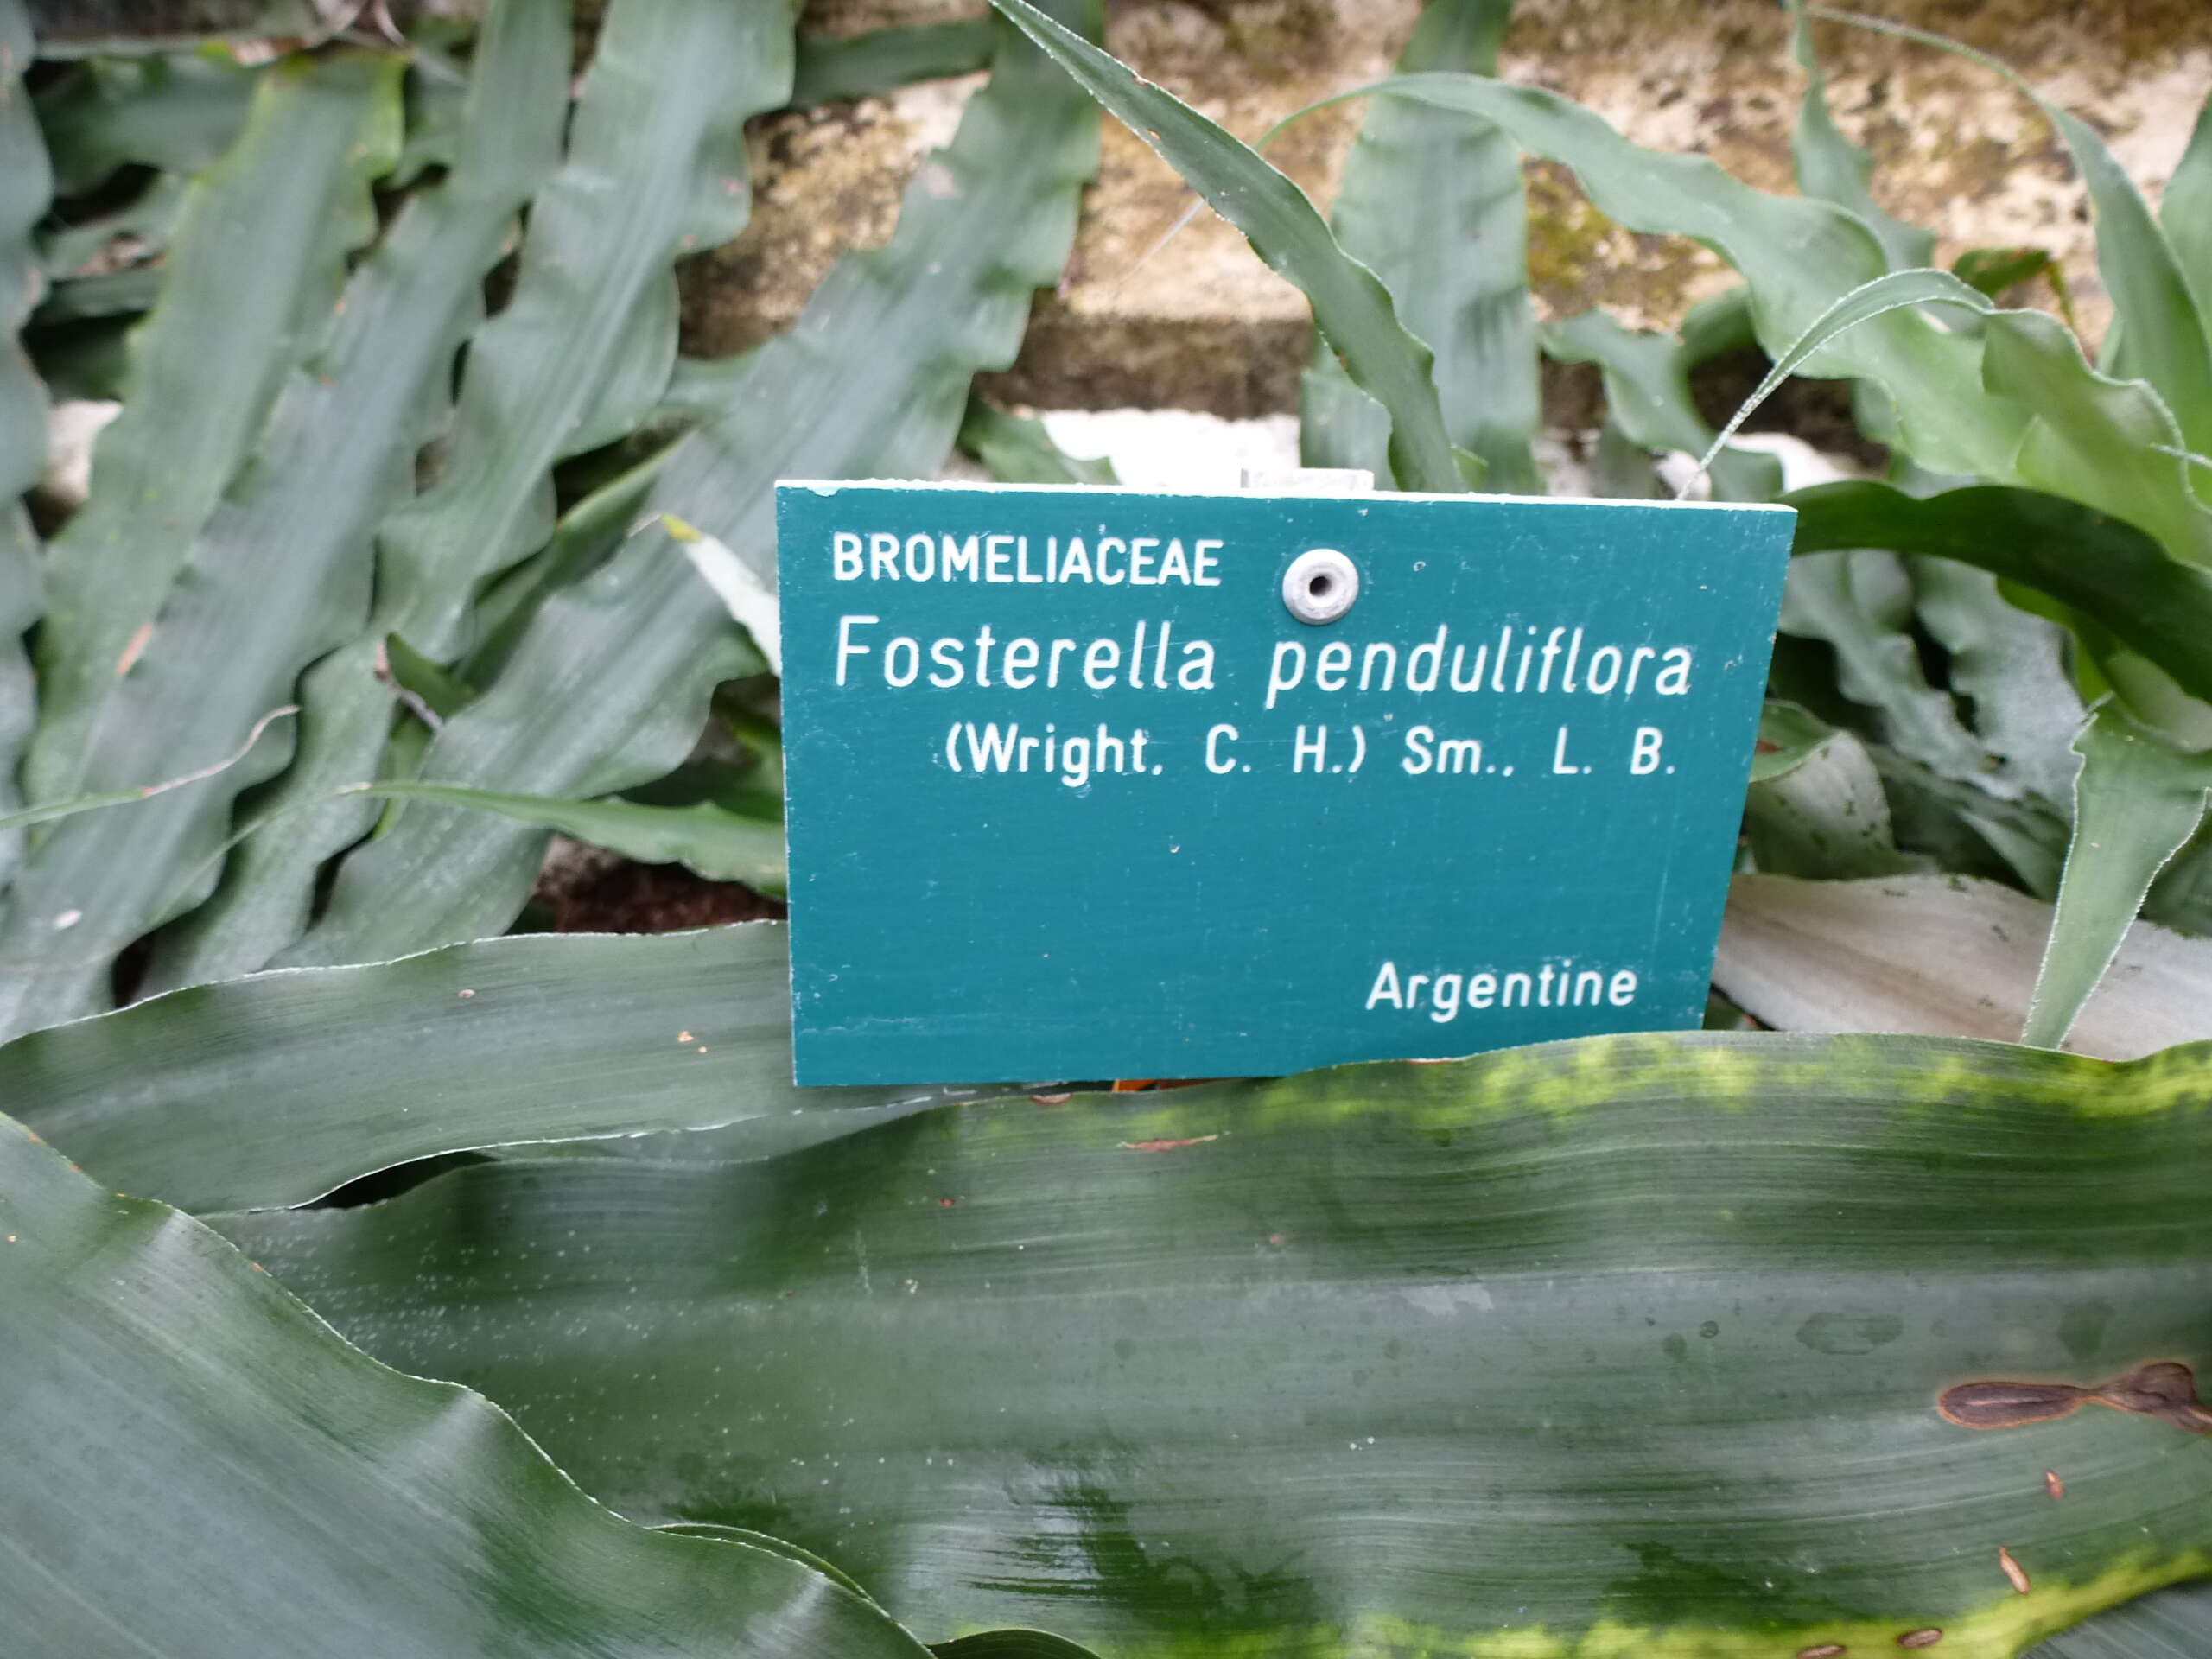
1728 1345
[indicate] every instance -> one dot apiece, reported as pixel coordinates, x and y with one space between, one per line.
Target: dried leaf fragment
2013 1570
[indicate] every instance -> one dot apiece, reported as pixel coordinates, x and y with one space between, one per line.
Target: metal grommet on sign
1320 585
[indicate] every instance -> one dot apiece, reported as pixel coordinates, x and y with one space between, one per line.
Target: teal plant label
1088 784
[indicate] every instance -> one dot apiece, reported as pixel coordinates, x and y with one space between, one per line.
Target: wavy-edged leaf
608 687
1017 449
176 113
706 838
275 1089
199 1467
829 68
1433 204
25 186
1798 255
2110 443
1633 1345
281 574
1861 605
2092 563
1942 955
203 368
2035 412
2137 801
1647 380
1351 304
2162 335
2010 666
1833 168
656 165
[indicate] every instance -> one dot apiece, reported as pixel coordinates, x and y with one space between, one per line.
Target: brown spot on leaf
1922 1638
2013 1570
2008 1405
133 647
2165 1389
1052 1100
2052 1483
1822 1650
1167 1146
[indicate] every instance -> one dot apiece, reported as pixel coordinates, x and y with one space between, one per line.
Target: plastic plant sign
1092 783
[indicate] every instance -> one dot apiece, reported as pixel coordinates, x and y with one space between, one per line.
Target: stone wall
1201 324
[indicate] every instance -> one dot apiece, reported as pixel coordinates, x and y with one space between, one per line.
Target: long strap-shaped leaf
1799 256
2106 570
198 1468
609 686
275 1089
25 183
1638 1345
1832 168
281 573
1433 204
2163 338
1351 304
203 368
2033 412
2137 801
656 166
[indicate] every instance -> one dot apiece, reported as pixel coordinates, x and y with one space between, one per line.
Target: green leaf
2163 335
275 1089
881 61
25 186
1799 256
579 356
1647 380
705 838
280 575
2137 800
1832 168
177 114
1351 305
1433 204
2009 667
1633 1345
197 1465
1898 291
2185 210
2093 565
1017 449
1861 605
204 369
608 687
1994 271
